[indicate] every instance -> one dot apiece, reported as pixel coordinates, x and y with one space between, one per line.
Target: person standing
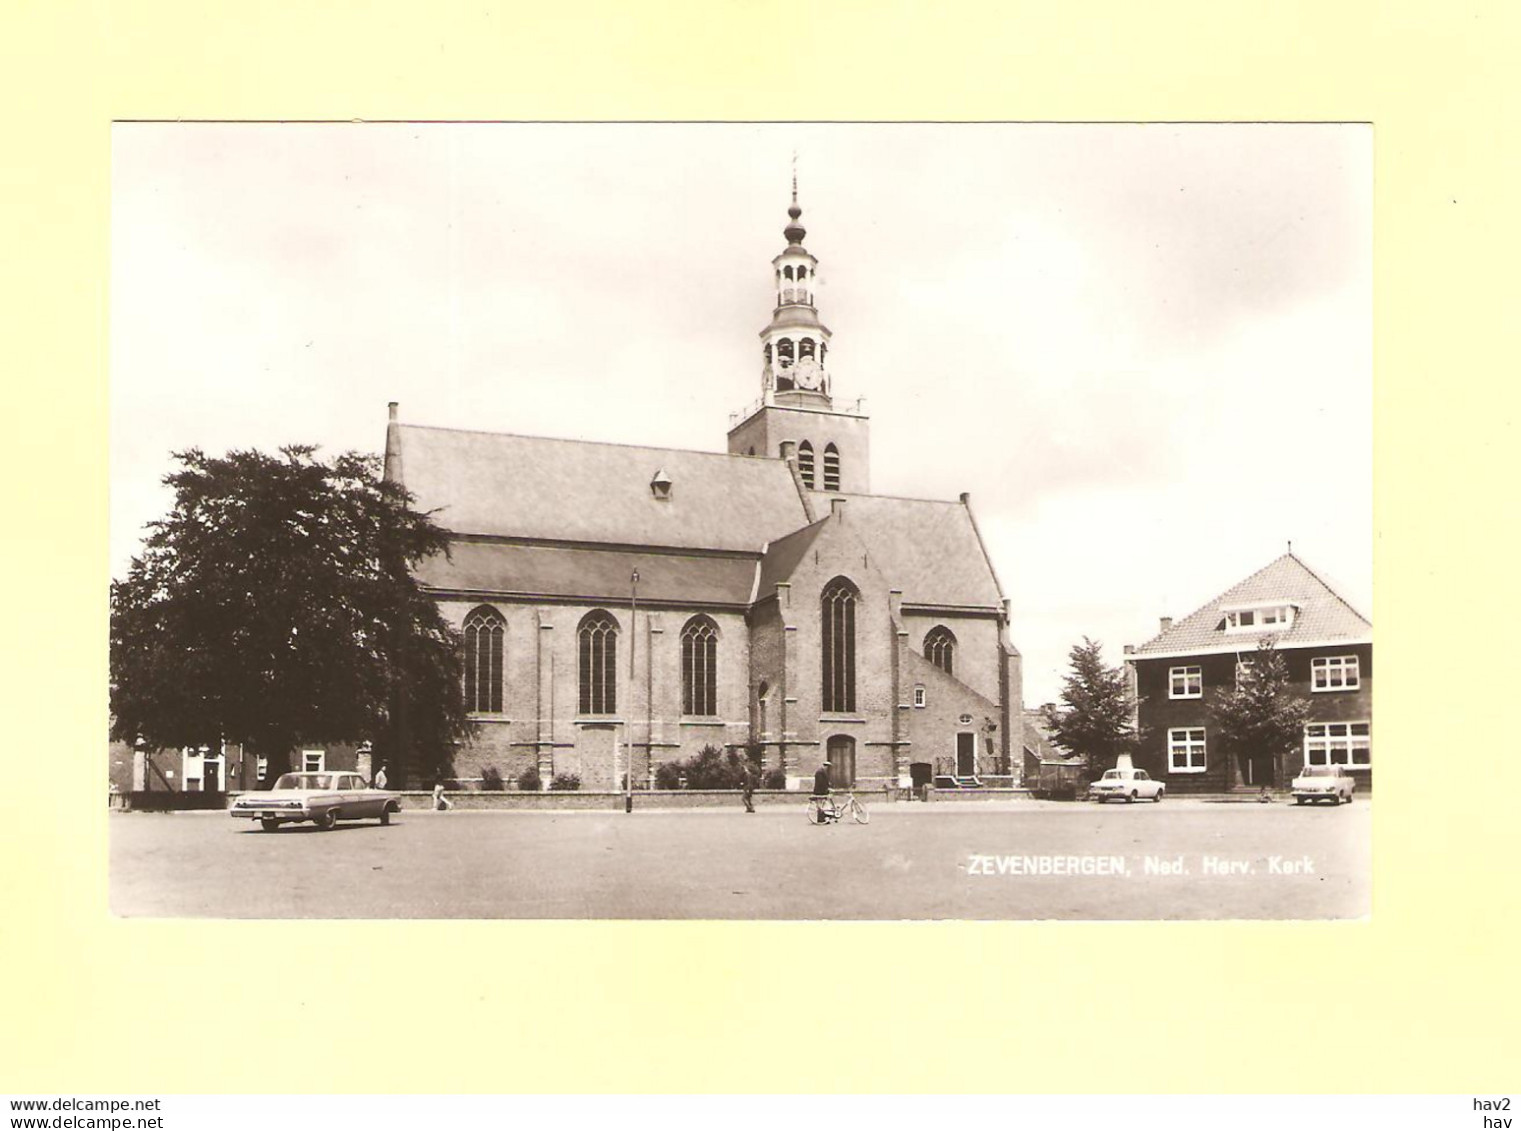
380 778
820 799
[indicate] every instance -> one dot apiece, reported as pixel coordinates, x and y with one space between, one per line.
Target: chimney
789 451
837 509
392 409
895 603
1130 649
1166 623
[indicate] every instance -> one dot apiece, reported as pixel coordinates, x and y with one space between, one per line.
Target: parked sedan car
1132 785
1324 783
322 798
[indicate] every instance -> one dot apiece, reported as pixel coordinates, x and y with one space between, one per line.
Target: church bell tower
797 404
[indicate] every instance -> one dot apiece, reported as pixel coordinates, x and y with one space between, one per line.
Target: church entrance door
842 761
966 755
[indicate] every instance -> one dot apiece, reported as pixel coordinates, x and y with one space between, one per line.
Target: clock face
807 373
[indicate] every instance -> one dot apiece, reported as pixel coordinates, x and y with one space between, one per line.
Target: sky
1145 350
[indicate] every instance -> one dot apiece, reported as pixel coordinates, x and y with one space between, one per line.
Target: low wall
599 799
938 795
168 800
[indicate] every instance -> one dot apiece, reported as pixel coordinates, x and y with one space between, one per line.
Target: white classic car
1130 784
1323 783
322 798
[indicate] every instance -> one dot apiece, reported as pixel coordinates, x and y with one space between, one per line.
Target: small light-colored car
1132 785
322 798
1324 783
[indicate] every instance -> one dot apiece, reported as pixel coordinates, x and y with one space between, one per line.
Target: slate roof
783 555
579 491
926 547
504 569
1322 616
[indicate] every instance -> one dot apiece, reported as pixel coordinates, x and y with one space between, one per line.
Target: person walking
440 802
380 778
747 786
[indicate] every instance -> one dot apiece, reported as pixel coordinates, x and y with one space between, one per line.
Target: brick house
207 769
626 606
1328 647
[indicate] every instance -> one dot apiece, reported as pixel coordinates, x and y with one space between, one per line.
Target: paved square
1178 860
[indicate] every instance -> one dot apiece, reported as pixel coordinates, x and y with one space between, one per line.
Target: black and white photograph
741 521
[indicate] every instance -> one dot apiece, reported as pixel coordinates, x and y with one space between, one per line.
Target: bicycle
826 810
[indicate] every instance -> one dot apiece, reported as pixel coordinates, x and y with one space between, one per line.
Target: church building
628 606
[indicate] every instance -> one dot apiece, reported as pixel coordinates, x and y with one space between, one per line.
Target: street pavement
1181 859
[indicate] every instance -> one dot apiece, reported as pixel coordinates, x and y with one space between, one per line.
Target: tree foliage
1097 718
1260 716
274 605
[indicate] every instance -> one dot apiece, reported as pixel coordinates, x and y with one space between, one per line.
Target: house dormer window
660 485
1267 617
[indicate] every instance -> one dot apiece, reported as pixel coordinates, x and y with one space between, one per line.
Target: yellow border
1420 999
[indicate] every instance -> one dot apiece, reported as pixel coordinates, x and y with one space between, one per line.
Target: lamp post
628 726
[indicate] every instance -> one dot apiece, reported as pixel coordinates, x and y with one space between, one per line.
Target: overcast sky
1145 350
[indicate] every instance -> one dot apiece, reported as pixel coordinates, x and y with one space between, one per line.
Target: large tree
1261 717
1097 718
274 605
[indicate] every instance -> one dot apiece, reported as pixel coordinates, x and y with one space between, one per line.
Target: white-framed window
1185 682
1335 673
261 768
1338 744
313 761
1185 750
919 697
1264 618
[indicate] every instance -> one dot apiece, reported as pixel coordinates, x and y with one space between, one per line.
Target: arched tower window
787 273
484 632
839 643
805 463
597 644
699 667
784 352
940 649
805 348
831 468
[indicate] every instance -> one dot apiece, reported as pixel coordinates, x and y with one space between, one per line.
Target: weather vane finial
794 176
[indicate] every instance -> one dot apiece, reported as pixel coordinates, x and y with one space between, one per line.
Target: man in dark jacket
821 781
820 800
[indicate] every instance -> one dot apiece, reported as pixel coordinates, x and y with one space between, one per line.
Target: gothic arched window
831 468
940 649
597 645
484 633
805 463
699 667
839 642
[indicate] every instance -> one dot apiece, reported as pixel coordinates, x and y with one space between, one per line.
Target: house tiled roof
1321 615
579 491
927 547
502 569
